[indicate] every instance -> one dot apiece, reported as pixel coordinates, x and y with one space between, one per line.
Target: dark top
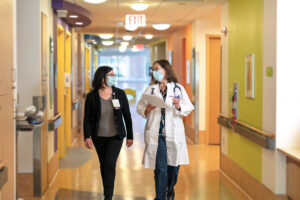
92 114
162 126
107 125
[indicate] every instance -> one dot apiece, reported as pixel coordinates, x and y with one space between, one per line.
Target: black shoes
171 196
107 198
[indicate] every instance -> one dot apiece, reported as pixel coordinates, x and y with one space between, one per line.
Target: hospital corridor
149 100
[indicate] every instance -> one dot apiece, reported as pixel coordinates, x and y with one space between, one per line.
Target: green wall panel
246 37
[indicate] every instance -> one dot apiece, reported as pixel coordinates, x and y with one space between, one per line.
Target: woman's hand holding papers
149 108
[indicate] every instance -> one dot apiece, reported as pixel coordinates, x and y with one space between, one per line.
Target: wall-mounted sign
249 76
136 20
188 72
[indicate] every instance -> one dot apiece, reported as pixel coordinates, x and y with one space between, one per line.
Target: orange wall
175 44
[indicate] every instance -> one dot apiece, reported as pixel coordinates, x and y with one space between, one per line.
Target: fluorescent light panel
127 37
95 1
139 6
107 42
161 27
106 36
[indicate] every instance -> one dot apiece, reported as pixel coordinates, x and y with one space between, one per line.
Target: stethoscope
175 89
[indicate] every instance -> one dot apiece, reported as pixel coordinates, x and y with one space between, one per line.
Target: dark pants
108 149
165 176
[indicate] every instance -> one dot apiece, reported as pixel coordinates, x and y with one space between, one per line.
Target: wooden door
61 89
44 74
68 102
87 70
7 130
213 72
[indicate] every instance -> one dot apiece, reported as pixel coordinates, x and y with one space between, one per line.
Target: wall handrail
256 130
262 138
54 122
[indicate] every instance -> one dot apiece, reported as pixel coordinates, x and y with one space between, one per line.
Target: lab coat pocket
151 140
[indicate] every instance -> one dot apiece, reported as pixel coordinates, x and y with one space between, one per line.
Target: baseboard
53 165
190 133
202 137
252 187
25 185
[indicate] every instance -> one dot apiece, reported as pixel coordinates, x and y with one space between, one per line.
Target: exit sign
136 20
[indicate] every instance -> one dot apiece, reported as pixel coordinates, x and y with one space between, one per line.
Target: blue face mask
111 80
158 75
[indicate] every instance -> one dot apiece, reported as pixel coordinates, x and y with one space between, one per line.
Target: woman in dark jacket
105 108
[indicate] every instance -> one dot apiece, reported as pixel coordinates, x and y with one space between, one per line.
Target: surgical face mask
111 80
158 75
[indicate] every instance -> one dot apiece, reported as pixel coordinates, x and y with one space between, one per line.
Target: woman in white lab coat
165 148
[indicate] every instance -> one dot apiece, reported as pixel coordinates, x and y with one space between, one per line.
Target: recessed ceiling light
122 48
127 37
130 27
149 36
73 16
160 26
106 36
139 6
95 1
124 43
79 23
107 42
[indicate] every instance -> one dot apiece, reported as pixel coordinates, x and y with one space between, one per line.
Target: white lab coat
175 134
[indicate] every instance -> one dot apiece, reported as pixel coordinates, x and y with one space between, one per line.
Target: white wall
28 67
202 28
271 177
287 95
224 86
288 70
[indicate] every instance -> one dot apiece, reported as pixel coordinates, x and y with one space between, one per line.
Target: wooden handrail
255 129
3 164
52 119
251 127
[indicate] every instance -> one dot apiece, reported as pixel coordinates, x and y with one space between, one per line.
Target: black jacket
92 114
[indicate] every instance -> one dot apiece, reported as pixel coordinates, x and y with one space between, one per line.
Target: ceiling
105 16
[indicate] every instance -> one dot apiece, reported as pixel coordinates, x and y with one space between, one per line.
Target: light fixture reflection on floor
139 6
127 37
161 27
106 36
107 42
149 36
94 1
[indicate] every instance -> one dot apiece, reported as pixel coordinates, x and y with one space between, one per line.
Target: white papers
155 101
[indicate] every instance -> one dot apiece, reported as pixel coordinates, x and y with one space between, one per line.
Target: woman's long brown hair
170 75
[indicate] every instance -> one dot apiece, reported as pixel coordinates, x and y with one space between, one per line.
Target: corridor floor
198 181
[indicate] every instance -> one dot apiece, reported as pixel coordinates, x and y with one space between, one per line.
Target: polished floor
200 180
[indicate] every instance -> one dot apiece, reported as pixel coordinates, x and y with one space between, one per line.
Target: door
61 89
44 74
68 103
87 70
213 72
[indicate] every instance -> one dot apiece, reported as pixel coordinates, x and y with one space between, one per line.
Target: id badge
116 103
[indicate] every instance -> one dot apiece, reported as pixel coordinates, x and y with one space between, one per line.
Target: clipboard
155 101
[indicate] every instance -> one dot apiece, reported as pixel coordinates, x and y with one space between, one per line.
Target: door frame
208 37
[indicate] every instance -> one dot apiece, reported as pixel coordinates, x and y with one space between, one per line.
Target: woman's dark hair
170 75
99 76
